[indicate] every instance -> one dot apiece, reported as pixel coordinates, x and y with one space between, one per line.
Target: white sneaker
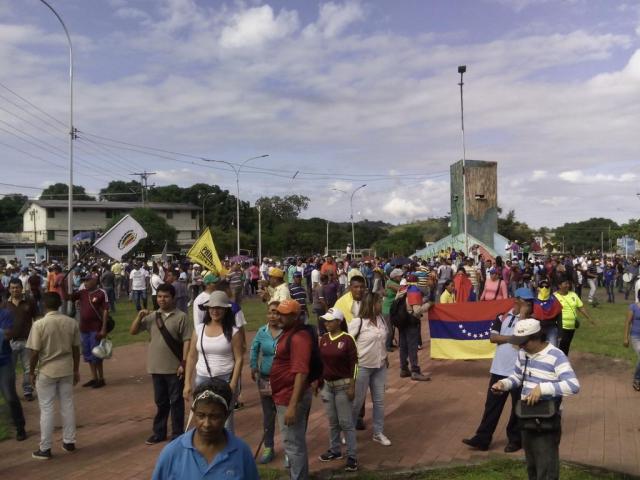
381 439
343 440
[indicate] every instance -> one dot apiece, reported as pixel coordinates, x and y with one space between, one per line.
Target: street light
72 135
353 231
461 70
236 170
204 199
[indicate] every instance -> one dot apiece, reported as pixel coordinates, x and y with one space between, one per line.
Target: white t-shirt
138 279
219 354
315 276
156 281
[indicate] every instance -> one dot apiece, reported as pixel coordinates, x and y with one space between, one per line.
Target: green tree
60 191
120 191
157 228
513 229
586 236
10 218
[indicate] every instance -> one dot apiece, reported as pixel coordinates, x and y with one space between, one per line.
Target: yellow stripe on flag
446 348
204 252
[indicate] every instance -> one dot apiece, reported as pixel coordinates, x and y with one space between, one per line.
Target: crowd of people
329 327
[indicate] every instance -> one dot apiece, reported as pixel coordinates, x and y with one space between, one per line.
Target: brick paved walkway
425 422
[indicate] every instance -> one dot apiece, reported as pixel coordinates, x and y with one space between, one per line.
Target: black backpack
400 317
315 361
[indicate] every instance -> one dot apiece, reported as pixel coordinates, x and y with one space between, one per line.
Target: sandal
636 385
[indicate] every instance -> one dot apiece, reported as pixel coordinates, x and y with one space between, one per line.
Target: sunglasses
545 285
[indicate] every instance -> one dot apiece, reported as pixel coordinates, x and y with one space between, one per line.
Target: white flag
121 238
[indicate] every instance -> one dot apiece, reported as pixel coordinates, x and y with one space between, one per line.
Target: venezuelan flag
460 331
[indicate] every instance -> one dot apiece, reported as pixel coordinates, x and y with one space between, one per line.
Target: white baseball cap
523 331
333 314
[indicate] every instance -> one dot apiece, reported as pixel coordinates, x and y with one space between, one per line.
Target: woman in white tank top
216 349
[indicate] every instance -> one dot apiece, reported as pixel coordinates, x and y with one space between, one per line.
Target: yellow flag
204 252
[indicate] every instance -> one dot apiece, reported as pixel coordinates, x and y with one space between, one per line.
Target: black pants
542 453
493 406
565 340
9 394
167 392
409 337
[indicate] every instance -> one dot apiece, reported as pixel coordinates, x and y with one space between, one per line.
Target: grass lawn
492 470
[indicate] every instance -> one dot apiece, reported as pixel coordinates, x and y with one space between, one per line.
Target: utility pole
461 70
259 233
326 249
32 214
144 176
601 244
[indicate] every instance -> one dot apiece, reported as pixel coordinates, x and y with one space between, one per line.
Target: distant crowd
362 309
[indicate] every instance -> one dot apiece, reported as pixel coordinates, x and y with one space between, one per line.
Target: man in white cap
545 374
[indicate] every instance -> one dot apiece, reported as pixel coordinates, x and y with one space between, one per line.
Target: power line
33 105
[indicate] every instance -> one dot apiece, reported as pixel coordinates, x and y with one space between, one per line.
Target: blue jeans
8 392
268 420
294 437
635 343
227 377
339 411
137 296
373 379
111 296
22 355
610 294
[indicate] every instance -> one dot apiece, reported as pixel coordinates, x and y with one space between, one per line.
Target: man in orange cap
290 385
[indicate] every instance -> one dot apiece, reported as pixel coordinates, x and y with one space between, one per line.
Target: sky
338 94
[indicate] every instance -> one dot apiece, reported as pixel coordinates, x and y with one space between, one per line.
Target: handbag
103 350
542 416
264 386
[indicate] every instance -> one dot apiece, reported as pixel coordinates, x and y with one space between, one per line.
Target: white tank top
218 351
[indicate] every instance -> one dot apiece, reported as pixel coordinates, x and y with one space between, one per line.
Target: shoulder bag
542 417
174 345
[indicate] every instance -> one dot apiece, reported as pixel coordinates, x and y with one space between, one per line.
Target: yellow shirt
447 297
54 337
570 305
279 293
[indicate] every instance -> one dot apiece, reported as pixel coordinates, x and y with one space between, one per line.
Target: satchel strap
204 355
172 343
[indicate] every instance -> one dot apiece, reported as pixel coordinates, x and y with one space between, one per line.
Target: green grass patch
500 469
606 336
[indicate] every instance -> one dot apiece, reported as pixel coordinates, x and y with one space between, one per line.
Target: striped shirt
549 368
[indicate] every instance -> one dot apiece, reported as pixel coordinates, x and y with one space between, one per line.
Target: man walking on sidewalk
54 342
24 312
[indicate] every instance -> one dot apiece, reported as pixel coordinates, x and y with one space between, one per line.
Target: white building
47 220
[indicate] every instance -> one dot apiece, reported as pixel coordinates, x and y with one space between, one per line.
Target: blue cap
524 293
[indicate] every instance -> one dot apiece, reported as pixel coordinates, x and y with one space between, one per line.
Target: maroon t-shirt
339 356
287 364
91 317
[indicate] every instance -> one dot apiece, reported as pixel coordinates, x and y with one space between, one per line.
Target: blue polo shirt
180 459
6 323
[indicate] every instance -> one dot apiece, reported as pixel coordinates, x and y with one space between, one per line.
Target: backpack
315 361
400 317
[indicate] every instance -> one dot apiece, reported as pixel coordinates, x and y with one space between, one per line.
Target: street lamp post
461 70
32 214
236 170
259 232
72 135
353 231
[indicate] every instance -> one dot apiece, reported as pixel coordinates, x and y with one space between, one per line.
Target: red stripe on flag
470 311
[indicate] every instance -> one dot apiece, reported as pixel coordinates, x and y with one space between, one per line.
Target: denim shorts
89 341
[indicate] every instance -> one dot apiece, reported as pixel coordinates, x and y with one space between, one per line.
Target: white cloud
403 208
335 18
578 176
539 174
256 26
